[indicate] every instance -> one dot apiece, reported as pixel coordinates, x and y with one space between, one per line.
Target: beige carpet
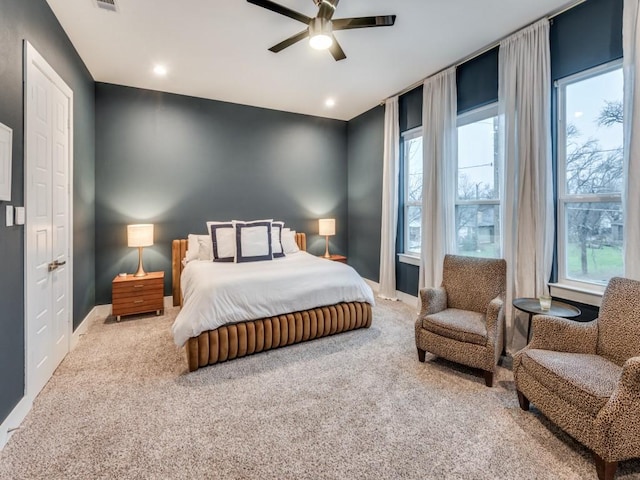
356 405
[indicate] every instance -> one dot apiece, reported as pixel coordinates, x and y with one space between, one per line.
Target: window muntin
412 159
478 180
590 176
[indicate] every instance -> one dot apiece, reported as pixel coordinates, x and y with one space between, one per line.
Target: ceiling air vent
107 5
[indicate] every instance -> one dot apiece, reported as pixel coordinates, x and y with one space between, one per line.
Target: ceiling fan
321 27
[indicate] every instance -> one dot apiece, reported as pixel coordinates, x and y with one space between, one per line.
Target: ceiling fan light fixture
320 34
320 42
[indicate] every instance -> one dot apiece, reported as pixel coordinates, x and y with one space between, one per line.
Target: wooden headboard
178 252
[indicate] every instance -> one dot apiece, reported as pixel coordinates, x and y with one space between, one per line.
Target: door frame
31 55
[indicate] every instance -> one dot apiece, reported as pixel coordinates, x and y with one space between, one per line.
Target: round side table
532 307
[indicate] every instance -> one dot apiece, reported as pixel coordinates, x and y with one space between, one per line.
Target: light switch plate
19 215
9 216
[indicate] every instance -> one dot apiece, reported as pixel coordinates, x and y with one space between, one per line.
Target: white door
48 316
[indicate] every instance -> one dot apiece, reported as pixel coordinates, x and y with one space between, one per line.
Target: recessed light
160 70
329 102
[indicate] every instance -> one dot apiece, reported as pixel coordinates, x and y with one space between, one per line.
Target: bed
253 335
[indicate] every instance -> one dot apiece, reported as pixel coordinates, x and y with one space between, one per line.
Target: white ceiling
217 49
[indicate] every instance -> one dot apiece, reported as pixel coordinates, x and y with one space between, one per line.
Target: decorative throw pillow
289 244
276 239
253 241
222 241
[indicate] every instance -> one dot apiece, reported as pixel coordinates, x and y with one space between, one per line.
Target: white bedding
215 294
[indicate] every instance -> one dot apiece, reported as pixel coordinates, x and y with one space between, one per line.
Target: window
590 166
478 230
412 159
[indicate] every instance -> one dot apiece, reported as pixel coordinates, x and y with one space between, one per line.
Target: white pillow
198 248
289 244
223 245
276 239
253 241
205 247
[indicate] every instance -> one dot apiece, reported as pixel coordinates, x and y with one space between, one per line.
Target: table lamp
140 236
327 227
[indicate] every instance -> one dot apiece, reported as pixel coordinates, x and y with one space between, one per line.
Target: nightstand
336 258
131 295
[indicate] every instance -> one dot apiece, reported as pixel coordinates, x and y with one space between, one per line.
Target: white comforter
216 294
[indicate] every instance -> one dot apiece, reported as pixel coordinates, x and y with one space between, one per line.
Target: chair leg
488 378
606 470
523 401
421 354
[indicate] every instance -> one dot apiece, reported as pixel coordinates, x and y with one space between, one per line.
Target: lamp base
140 272
326 250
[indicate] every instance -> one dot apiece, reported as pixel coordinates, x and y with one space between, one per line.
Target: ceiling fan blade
287 12
364 22
290 41
327 8
336 50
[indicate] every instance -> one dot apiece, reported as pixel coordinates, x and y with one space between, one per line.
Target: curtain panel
389 200
524 99
631 187
439 143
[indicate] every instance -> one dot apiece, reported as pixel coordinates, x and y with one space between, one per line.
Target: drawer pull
138 301
139 286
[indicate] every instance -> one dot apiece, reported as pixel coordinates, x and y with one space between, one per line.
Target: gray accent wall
365 166
34 21
178 161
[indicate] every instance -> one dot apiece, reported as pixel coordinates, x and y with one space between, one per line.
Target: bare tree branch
611 113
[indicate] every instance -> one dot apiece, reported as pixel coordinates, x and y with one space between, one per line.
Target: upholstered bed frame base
245 338
241 339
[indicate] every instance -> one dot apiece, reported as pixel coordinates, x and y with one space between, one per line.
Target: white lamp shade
327 226
140 235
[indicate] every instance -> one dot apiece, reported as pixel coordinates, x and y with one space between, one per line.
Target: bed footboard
246 338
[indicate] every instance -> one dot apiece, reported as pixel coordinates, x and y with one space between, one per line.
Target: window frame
472 116
406 136
562 197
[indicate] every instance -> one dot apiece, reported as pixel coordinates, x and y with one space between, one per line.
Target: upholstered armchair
463 320
585 377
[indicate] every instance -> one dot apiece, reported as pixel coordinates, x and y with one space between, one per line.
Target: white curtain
524 98
389 200
631 189
439 143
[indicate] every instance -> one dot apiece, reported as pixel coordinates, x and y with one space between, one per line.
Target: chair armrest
433 300
630 379
495 318
563 335
617 422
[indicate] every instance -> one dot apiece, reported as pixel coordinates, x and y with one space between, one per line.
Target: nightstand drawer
137 288
139 304
138 285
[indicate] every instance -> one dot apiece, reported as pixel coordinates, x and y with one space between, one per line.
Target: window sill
576 294
409 259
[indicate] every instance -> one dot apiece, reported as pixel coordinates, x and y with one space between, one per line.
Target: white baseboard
14 420
403 297
82 328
